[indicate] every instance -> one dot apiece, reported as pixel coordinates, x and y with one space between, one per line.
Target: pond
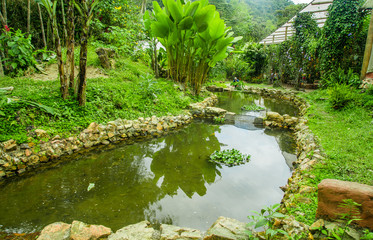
164 180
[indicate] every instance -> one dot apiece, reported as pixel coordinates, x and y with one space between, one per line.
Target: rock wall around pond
17 159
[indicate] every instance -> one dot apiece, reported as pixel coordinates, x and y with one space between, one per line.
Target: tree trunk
368 50
1 67
4 11
70 44
57 41
42 26
28 16
83 66
156 70
64 20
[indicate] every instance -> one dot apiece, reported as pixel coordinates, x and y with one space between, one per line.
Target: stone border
17 159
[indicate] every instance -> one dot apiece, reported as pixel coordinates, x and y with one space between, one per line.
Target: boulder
227 229
10 145
331 194
56 231
170 232
104 54
274 116
82 231
138 231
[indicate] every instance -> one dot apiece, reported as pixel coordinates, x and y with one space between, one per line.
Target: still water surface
164 180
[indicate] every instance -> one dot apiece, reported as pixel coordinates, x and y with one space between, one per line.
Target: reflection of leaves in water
285 139
185 167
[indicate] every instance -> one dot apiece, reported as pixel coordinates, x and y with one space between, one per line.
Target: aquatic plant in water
231 157
252 107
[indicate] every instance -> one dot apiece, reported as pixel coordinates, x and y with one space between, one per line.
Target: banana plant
85 9
195 37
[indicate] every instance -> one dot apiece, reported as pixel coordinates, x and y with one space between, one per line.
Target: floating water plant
231 157
252 107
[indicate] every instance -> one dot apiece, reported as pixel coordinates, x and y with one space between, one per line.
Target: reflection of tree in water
285 139
183 162
125 181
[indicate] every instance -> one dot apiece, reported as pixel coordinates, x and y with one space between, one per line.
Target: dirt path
51 73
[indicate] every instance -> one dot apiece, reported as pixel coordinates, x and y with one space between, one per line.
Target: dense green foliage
343 39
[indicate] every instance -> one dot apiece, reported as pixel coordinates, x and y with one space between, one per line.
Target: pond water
164 180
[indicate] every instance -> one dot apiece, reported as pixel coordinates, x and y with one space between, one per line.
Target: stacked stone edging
17 159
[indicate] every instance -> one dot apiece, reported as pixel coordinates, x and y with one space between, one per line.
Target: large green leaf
186 23
223 42
156 8
218 57
159 29
217 28
203 16
191 9
175 11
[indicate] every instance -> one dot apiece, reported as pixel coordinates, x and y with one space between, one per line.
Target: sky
301 1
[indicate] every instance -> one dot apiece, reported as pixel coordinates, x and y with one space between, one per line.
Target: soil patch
51 73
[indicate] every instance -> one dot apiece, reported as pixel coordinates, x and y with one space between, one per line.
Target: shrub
19 51
341 77
340 95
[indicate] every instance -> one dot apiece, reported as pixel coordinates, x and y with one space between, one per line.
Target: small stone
28 152
110 134
307 189
105 142
317 225
159 127
10 145
43 159
40 133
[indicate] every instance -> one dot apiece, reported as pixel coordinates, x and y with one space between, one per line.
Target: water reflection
235 100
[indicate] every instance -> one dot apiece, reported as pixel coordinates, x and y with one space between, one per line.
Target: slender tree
4 11
85 9
70 43
42 26
28 16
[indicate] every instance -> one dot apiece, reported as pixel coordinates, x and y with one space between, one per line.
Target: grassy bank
130 92
346 137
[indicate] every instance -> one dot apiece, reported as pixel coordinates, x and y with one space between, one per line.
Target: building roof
319 10
368 4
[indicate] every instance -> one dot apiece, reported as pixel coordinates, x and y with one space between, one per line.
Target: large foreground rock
138 231
227 229
56 231
170 232
331 194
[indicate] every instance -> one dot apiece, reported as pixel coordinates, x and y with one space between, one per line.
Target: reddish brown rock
332 193
56 231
